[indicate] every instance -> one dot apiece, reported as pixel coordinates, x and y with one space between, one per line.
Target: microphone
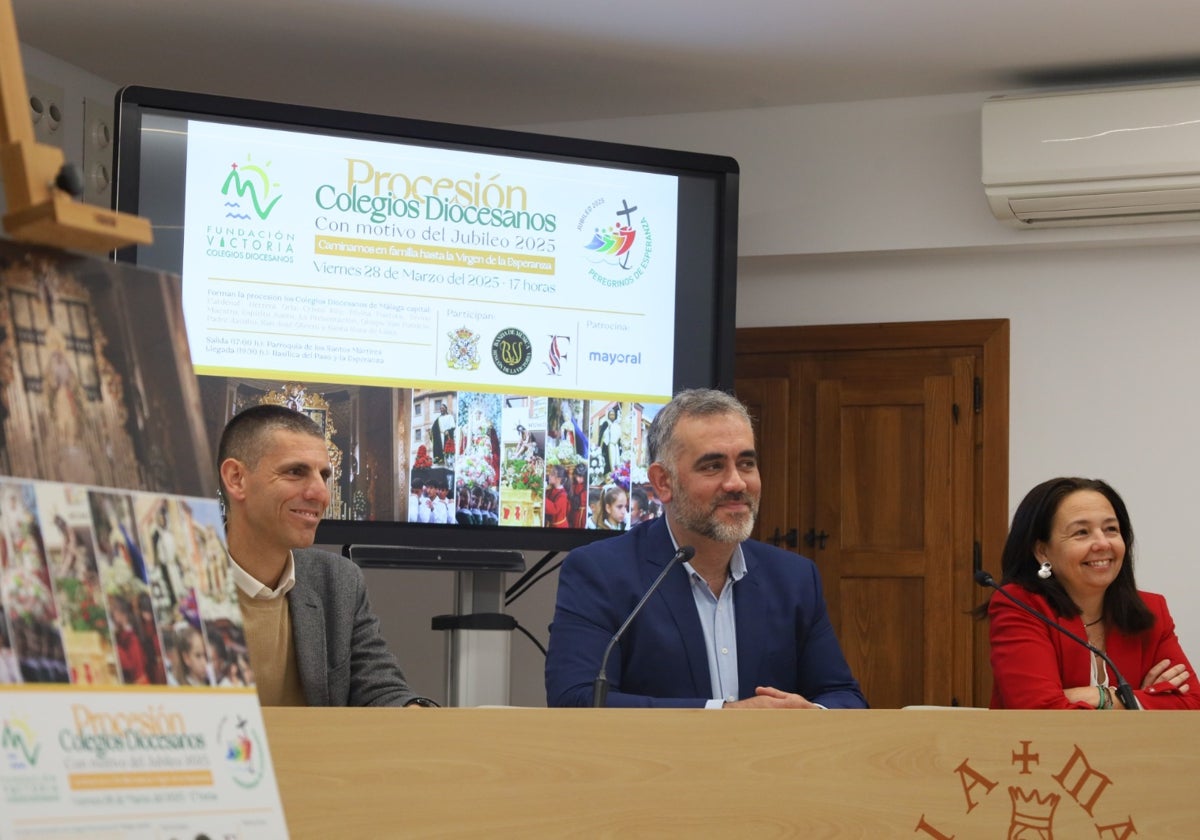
1124 691
600 686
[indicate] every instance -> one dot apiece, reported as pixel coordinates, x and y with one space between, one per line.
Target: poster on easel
127 700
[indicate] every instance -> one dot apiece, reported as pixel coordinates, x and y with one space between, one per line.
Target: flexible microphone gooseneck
1124 691
600 686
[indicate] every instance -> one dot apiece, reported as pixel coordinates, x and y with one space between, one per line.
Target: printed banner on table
127 701
135 763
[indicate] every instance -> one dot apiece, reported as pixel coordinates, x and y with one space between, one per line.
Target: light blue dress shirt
720 628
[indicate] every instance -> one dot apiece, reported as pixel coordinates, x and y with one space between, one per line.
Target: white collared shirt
254 588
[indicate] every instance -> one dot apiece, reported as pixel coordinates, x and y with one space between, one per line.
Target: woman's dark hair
1031 524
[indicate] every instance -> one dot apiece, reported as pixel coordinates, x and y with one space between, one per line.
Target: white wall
77 86
1102 353
872 211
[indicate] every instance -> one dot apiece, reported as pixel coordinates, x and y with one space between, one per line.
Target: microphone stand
600 686
1124 691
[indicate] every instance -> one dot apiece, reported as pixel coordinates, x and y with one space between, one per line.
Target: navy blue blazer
784 637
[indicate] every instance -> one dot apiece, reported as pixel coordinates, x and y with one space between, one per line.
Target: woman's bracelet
1104 701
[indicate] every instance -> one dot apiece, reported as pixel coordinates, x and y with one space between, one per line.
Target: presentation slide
356 261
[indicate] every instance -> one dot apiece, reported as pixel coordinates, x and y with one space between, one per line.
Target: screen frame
132 102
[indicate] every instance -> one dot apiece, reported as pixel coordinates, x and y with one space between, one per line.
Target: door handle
811 538
789 538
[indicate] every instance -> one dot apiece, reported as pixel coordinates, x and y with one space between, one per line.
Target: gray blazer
343 661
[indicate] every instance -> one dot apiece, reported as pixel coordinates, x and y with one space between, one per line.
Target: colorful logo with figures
247 190
18 744
511 351
463 353
243 751
619 244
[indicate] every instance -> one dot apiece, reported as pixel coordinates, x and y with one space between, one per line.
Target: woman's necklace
1093 623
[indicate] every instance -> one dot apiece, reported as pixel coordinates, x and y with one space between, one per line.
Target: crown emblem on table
1032 815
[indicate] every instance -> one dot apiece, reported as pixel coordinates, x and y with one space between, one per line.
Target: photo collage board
103 587
481 458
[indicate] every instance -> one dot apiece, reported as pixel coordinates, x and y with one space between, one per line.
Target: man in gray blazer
311 635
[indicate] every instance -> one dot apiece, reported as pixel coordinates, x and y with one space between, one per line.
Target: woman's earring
1044 572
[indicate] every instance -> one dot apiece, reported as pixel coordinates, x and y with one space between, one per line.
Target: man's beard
692 515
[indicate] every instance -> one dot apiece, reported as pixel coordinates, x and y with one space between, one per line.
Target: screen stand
480 634
477 658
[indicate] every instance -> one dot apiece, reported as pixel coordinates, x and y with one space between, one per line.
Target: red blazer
1033 663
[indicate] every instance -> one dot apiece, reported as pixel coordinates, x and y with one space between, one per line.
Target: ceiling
540 61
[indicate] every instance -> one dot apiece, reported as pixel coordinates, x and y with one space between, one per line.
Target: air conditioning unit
1104 157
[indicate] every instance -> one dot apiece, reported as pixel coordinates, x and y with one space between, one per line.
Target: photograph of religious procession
528 460
96 383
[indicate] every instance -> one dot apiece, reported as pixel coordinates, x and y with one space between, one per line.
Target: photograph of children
643 505
216 595
25 589
434 445
192 654
557 505
579 511
609 507
643 502
567 447
229 660
238 674
472 506
523 468
138 647
477 464
123 574
70 552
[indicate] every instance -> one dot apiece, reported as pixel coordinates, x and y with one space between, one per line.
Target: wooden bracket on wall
40 207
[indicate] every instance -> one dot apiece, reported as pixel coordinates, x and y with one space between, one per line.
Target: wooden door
769 403
894 500
885 477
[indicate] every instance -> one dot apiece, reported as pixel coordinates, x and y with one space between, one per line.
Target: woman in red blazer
1069 555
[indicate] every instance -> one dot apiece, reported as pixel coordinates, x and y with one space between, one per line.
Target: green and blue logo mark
249 184
18 745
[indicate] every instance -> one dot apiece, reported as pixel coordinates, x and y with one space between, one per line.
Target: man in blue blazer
741 625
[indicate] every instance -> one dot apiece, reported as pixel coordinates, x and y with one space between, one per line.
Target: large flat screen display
483 322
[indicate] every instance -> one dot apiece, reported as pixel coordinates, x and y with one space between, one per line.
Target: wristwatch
424 702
